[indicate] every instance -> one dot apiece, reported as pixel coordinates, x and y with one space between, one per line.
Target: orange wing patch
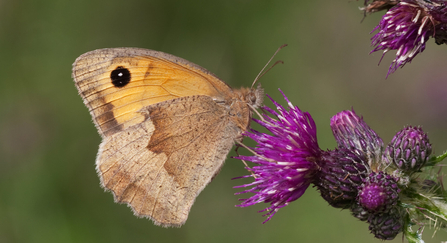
152 79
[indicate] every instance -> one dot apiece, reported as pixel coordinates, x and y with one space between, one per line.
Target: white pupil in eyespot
120 74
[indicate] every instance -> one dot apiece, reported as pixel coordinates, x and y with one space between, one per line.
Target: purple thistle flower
286 160
356 175
407 27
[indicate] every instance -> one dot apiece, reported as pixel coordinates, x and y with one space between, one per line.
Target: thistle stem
436 159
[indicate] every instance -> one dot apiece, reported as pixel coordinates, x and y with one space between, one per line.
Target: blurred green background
49 190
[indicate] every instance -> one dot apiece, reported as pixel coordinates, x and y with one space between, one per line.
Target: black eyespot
120 77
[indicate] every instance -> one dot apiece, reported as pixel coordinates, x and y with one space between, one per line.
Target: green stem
413 237
436 159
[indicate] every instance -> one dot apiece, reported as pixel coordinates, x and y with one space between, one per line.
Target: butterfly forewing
116 83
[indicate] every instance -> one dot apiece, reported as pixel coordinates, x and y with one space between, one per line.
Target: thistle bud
379 193
341 173
386 226
352 133
410 149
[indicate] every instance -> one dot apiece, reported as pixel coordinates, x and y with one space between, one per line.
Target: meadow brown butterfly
166 124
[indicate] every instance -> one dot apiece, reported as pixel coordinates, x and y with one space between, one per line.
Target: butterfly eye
252 98
120 76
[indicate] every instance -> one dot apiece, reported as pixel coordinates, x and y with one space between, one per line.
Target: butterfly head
248 99
256 97
253 97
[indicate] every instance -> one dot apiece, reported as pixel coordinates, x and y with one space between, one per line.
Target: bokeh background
49 191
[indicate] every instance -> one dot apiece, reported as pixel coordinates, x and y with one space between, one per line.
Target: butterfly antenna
262 72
